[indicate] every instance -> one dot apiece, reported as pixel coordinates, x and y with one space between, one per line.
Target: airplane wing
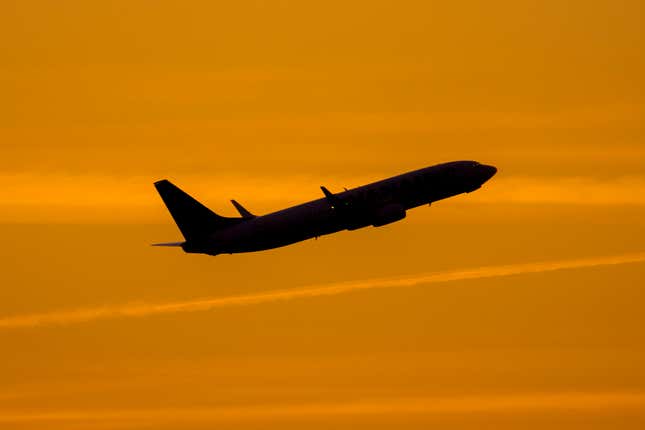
336 202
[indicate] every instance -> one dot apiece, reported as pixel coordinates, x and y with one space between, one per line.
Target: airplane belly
274 231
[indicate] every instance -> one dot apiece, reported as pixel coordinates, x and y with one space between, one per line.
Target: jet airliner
376 204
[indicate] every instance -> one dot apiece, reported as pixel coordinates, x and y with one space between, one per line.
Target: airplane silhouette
375 204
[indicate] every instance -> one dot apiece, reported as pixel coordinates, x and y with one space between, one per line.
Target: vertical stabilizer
193 218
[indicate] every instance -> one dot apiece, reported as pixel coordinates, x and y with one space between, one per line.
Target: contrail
203 304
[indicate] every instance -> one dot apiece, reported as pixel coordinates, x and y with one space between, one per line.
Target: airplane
376 204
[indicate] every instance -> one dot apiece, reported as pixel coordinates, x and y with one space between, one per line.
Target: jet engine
388 214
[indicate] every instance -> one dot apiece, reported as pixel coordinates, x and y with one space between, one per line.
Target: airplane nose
488 171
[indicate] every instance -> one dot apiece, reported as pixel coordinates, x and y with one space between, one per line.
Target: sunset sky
264 101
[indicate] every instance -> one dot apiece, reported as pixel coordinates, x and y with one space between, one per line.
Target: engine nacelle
388 214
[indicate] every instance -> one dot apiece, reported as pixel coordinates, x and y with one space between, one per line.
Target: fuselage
376 204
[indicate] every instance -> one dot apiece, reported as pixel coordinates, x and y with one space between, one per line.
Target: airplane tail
193 218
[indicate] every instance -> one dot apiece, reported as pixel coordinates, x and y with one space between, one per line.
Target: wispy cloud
429 406
65 317
49 198
564 190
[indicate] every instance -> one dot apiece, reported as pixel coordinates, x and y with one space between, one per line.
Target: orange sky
265 101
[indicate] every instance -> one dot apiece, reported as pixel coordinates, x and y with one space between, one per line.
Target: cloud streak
130 310
57 197
520 403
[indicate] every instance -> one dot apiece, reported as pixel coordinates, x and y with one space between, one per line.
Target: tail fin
193 218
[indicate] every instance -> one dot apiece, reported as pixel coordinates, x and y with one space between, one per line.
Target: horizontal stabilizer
168 244
245 214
